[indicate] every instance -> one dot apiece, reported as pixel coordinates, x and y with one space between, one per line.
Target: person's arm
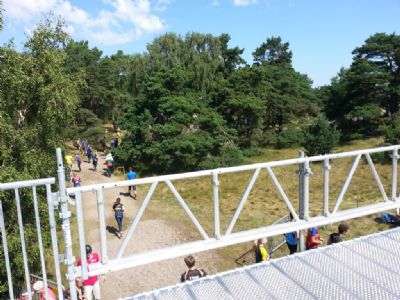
315 240
314 237
183 275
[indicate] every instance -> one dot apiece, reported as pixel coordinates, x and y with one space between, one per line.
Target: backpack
334 238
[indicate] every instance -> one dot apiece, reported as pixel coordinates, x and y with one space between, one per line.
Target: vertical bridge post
327 168
215 183
304 189
66 226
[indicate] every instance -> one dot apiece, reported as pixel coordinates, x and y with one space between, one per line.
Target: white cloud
119 22
162 5
244 2
215 3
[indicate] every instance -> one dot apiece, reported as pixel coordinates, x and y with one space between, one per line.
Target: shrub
86 117
228 157
320 137
249 152
289 138
391 131
93 134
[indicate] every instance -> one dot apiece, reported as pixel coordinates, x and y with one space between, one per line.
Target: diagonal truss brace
376 176
283 194
243 201
187 209
346 184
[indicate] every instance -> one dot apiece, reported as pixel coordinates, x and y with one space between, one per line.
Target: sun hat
38 285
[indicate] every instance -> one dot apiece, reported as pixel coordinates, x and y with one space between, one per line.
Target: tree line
192 102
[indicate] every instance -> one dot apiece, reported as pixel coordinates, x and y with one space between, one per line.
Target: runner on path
95 160
131 175
78 161
119 209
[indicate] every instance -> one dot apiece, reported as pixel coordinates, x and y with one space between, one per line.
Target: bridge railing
220 238
17 187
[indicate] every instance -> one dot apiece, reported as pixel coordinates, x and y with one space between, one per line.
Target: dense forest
188 102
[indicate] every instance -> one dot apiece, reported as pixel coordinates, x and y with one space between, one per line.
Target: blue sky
321 33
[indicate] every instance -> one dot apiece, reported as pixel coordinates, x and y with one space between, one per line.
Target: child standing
337 237
76 180
260 251
192 273
313 240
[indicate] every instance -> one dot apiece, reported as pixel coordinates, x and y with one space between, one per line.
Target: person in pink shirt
39 289
91 286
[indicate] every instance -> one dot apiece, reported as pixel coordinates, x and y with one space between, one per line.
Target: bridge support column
304 192
66 226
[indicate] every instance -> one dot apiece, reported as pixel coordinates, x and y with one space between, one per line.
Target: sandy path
150 234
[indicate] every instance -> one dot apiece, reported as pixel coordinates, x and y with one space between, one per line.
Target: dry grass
264 205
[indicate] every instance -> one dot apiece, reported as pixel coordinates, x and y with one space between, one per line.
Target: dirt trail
149 235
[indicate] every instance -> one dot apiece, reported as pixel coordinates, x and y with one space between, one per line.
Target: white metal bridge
220 237
364 268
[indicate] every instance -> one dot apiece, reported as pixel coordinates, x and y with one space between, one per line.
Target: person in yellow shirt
260 251
69 159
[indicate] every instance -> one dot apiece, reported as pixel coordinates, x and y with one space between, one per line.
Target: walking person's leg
87 291
121 231
292 249
96 290
134 192
119 223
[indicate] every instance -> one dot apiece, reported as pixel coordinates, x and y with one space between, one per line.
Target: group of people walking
85 149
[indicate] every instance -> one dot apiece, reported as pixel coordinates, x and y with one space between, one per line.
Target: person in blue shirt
131 175
291 239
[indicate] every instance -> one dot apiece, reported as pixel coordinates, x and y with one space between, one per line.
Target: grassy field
264 205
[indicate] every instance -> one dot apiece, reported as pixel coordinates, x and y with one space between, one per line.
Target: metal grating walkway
364 268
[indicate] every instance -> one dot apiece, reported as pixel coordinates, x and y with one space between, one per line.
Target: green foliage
249 152
228 156
198 105
86 117
93 134
361 97
391 131
37 102
273 52
290 137
1 15
320 137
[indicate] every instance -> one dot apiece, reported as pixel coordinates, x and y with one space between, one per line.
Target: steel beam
188 175
346 184
236 238
243 201
187 209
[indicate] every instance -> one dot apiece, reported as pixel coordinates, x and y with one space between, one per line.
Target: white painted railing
301 222
221 237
